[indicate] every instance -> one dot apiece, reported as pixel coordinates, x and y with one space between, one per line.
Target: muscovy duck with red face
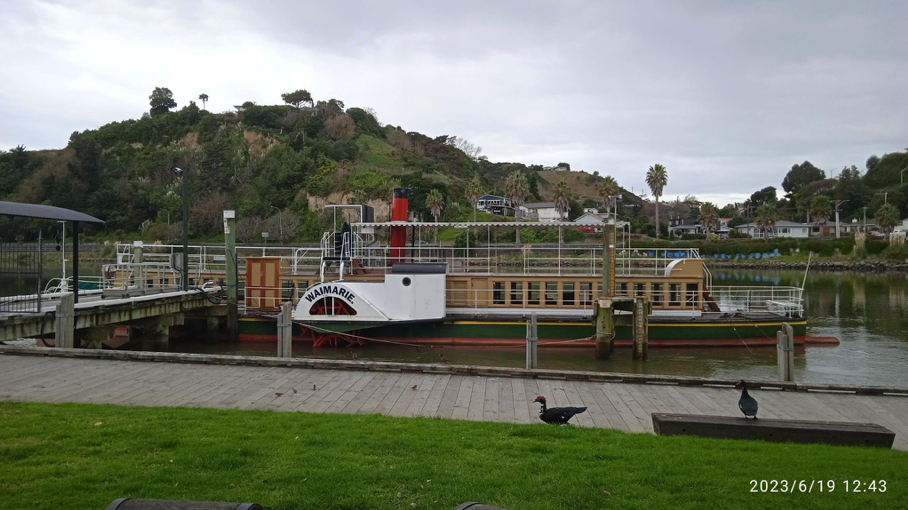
557 415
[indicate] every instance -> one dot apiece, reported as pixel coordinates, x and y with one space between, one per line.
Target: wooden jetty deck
344 389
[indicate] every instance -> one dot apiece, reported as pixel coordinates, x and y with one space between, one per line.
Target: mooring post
785 352
284 331
138 257
532 342
641 328
605 328
65 321
231 275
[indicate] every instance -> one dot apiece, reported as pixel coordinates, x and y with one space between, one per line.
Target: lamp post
865 219
184 176
265 237
902 176
280 222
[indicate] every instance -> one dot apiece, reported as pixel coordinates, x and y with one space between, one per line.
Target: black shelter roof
45 212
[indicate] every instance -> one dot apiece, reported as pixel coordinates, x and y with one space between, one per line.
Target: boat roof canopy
45 212
471 224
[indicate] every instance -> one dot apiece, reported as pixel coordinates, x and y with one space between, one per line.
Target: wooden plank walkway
622 406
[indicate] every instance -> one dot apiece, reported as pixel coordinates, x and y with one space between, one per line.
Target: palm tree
709 215
887 217
608 187
821 209
517 188
474 193
766 218
562 198
435 203
204 99
656 179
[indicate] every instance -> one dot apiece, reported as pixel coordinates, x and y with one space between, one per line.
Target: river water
868 312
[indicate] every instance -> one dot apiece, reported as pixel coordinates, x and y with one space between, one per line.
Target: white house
495 205
541 211
595 220
783 228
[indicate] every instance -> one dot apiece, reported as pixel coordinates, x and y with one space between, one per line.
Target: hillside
259 160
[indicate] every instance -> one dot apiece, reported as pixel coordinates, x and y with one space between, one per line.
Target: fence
20 277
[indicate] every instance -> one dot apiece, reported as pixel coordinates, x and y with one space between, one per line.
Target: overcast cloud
727 95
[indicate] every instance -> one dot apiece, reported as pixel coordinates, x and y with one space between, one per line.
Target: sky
727 95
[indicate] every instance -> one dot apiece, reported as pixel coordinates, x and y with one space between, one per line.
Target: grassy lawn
78 456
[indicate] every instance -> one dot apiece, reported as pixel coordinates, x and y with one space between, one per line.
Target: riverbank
302 460
815 265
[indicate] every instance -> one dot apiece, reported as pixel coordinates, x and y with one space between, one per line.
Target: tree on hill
566 166
435 203
473 192
766 219
801 175
517 189
298 97
161 101
562 196
766 195
887 217
533 183
709 215
820 208
340 127
657 179
204 99
608 189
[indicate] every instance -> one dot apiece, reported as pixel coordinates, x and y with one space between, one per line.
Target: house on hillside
783 228
592 221
678 226
540 211
496 205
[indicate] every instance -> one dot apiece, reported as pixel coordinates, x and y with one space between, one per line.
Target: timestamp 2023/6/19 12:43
809 486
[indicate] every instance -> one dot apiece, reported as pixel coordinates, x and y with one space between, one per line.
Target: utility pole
865 218
838 234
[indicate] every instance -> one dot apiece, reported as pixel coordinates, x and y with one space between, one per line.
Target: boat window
567 293
674 294
551 293
586 293
639 289
599 288
692 291
657 294
533 298
517 293
498 293
622 289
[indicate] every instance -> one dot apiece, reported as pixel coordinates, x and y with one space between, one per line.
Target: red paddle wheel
331 306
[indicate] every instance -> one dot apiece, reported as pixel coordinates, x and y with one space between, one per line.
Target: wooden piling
785 352
605 328
641 328
285 331
65 321
532 343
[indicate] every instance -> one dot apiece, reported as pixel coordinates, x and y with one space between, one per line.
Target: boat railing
140 275
784 300
264 298
529 259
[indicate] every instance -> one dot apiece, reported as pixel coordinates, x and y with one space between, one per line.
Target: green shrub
896 253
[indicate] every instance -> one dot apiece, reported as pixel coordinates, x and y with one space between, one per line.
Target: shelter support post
231 275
